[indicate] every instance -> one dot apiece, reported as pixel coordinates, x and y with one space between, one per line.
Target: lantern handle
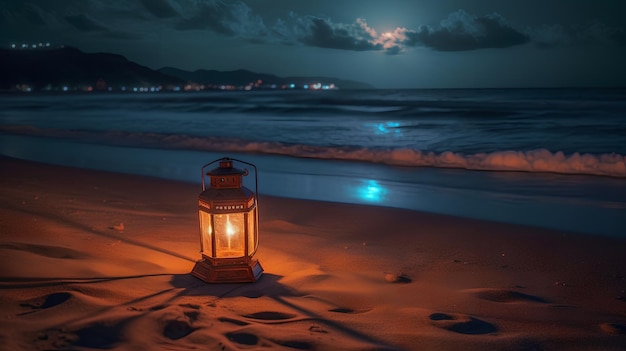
256 177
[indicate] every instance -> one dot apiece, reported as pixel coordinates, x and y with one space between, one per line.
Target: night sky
389 44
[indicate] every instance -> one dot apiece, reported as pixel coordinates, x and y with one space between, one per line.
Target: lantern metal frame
241 269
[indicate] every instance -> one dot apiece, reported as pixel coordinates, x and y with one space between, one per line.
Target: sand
95 260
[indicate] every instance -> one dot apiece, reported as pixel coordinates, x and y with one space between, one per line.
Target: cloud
85 23
159 8
462 31
124 19
247 24
225 18
395 42
213 16
323 33
102 27
43 20
548 36
18 13
34 15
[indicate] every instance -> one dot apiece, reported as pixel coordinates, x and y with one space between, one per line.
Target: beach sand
96 260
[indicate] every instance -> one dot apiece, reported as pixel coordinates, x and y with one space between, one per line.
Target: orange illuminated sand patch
337 276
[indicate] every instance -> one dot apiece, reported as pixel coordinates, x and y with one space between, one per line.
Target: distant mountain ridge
66 68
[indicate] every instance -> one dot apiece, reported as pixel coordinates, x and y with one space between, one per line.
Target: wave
274 105
537 160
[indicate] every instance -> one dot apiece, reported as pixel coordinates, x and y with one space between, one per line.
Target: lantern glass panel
252 232
229 235
206 231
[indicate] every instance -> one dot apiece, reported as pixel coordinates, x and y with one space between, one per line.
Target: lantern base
235 273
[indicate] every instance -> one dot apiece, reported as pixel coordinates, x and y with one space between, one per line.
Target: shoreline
70 279
582 204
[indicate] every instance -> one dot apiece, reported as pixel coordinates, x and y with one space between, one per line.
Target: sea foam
536 160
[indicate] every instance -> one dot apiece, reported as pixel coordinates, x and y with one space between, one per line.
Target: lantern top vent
226 168
225 175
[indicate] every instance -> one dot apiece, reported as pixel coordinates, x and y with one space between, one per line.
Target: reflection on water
371 191
386 127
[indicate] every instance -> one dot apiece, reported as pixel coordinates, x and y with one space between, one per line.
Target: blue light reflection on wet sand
371 191
594 205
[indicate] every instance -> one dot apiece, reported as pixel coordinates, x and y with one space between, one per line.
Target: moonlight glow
392 44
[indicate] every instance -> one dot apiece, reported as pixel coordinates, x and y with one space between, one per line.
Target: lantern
228 217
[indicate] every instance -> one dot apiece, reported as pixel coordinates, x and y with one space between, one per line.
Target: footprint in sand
462 324
270 316
506 296
248 339
298 345
348 310
232 321
176 329
190 305
243 338
45 250
101 335
47 301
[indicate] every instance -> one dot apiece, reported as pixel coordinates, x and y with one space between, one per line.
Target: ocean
552 158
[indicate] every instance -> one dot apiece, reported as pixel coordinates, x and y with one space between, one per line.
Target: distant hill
56 68
244 77
69 66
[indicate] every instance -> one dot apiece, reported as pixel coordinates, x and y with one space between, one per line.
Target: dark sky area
389 44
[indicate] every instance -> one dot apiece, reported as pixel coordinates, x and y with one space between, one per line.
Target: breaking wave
537 160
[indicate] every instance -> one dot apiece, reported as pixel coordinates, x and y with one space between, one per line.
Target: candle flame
230 230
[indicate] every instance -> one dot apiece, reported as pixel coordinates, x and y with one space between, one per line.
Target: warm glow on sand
337 276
